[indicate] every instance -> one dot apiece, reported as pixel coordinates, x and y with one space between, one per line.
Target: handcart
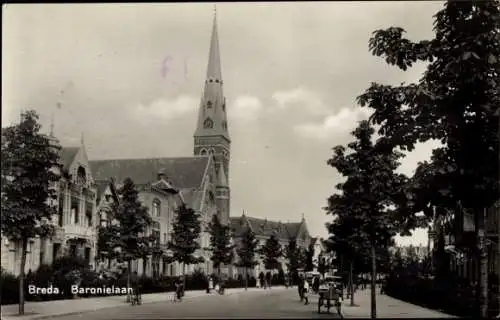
329 296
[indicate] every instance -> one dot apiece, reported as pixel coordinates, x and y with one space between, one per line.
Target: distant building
75 220
263 230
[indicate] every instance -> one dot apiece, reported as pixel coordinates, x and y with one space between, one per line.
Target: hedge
451 296
68 271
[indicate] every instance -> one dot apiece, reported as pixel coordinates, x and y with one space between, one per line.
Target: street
273 303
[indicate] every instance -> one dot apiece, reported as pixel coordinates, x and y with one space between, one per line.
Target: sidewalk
47 309
387 307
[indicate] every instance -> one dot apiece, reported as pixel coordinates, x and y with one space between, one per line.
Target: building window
203 152
56 247
74 209
81 176
60 211
87 255
156 208
88 213
72 250
164 237
208 124
209 104
224 125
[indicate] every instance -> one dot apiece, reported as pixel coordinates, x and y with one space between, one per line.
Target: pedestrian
210 283
134 281
306 292
300 287
178 289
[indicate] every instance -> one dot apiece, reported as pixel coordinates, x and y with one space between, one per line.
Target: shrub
9 288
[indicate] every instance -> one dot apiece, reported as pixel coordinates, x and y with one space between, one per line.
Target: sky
291 71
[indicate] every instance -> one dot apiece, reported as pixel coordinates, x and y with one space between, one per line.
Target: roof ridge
150 158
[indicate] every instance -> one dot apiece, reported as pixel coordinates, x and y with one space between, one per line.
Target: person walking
300 287
306 291
134 281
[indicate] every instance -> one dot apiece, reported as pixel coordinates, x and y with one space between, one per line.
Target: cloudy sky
291 74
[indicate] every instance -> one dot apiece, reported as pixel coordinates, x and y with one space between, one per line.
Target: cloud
165 109
300 98
246 108
341 122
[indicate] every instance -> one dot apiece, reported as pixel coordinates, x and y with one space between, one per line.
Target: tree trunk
351 281
24 246
373 284
246 278
183 278
483 265
129 274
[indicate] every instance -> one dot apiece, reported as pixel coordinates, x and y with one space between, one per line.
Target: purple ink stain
164 66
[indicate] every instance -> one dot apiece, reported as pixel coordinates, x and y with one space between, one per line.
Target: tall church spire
211 137
212 118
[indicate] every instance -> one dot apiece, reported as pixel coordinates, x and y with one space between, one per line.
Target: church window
81 176
217 80
208 124
224 125
209 104
210 80
203 152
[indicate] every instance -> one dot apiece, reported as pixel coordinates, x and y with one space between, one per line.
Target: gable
75 159
184 173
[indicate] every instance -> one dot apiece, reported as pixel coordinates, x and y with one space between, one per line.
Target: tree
133 221
457 102
271 251
322 265
367 194
292 254
28 186
246 252
309 263
220 243
186 232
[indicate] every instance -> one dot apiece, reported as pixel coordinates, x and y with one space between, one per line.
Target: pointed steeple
212 118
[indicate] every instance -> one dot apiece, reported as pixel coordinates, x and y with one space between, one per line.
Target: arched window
156 208
208 124
203 152
211 197
81 175
209 104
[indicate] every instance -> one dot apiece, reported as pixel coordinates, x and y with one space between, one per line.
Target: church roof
265 228
184 173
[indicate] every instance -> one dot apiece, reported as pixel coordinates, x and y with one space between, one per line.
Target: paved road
274 303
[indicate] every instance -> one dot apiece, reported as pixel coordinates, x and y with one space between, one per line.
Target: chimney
161 175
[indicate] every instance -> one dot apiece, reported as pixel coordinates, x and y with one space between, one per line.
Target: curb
70 313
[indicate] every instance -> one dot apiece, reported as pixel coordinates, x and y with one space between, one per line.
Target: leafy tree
292 254
133 221
246 252
322 265
309 263
28 181
368 192
220 243
186 231
271 251
456 102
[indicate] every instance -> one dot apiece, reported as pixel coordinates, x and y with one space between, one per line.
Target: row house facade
75 221
263 230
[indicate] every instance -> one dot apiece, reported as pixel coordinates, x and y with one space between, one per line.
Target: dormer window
208 124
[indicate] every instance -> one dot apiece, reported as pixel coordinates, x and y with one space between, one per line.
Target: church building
200 181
